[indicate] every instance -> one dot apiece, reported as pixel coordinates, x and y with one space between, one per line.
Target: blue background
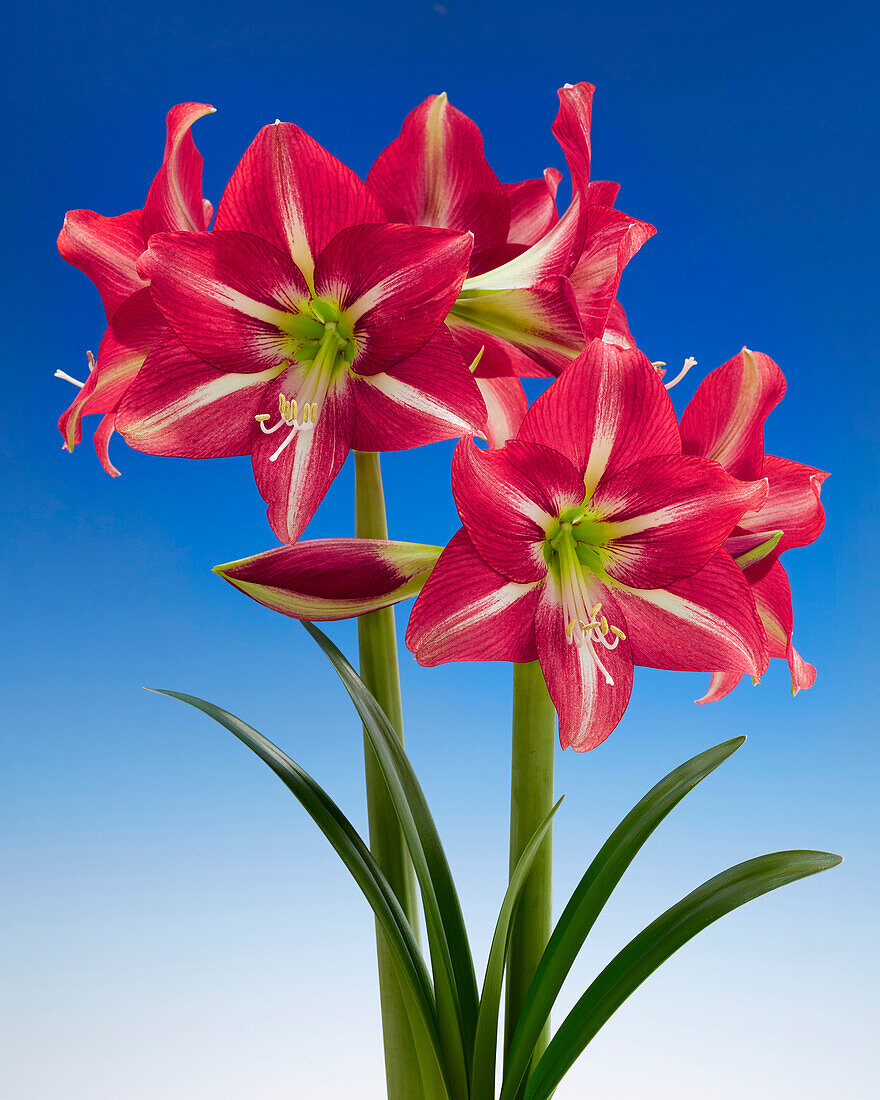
174 925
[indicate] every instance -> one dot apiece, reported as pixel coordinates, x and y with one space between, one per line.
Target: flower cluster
322 313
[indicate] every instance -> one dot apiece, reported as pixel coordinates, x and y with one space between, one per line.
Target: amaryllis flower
538 286
303 325
592 543
107 250
725 422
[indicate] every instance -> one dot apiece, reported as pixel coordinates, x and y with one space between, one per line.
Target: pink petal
720 684
541 320
557 252
506 405
617 328
107 251
290 191
725 417
793 505
396 284
182 406
226 295
602 193
607 411
295 483
426 398
498 357
700 624
435 173
103 434
330 579
666 516
468 612
612 239
532 207
507 500
174 201
133 330
772 594
589 707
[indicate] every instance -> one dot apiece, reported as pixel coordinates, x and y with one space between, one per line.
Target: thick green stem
377 643
531 799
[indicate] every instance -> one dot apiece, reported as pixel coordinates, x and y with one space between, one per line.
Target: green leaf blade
591 896
656 943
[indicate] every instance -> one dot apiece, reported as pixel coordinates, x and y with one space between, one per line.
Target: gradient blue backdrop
173 924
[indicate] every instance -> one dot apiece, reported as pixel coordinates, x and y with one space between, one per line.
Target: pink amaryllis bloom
539 286
107 250
725 422
302 326
592 544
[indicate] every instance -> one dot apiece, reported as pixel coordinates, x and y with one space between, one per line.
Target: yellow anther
314 411
620 634
282 401
603 622
292 409
261 416
569 630
307 413
597 607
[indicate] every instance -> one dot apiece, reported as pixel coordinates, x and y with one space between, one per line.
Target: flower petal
772 594
617 328
290 191
532 207
508 498
667 516
602 193
700 624
329 579
720 684
226 295
542 320
182 406
612 239
107 251
725 417
396 284
557 252
426 398
793 505
506 405
607 411
133 330
468 612
589 707
103 434
435 173
498 357
174 201
295 483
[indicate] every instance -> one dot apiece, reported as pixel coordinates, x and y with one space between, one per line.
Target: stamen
67 378
688 363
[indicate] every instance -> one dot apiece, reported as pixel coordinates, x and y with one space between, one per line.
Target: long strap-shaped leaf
486 1043
654 945
588 900
454 979
410 966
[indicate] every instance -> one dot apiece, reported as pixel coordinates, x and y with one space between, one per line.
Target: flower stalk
531 799
377 644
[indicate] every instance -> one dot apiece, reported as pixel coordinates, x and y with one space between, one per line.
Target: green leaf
412 973
486 1043
452 963
588 900
654 945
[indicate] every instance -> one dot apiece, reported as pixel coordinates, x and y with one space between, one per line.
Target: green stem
377 643
531 799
